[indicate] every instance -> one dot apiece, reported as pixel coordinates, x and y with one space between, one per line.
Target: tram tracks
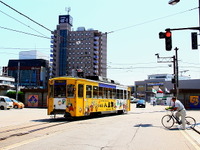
8 132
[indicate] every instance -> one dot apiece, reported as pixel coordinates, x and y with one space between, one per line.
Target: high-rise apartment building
76 51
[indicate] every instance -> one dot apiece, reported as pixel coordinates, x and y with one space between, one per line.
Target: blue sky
131 46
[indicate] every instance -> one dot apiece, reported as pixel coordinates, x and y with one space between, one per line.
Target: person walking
154 102
180 111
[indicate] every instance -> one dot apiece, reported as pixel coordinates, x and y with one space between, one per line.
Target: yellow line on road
187 136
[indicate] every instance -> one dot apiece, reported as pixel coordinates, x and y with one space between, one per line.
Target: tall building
77 51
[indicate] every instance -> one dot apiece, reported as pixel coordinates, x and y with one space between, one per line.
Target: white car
5 103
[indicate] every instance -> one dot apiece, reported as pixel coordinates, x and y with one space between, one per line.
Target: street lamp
173 2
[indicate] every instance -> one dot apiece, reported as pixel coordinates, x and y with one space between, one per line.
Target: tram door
80 99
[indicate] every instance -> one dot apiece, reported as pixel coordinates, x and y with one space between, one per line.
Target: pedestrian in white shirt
180 111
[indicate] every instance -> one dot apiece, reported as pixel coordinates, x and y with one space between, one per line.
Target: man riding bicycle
180 111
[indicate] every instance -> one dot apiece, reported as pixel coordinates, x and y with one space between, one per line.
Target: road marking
23 143
189 138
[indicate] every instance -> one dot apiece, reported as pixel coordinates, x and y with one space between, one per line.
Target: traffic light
168 39
194 40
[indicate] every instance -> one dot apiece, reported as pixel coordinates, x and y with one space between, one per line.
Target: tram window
70 90
88 91
118 93
110 93
95 91
59 90
114 94
125 94
100 92
121 94
80 90
105 92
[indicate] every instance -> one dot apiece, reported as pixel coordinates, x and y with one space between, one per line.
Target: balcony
96 47
96 53
96 38
96 43
96 57
95 62
95 71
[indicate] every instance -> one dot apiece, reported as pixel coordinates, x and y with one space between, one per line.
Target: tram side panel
82 97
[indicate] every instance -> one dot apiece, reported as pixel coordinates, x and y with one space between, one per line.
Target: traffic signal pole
199 15
173 2
194 45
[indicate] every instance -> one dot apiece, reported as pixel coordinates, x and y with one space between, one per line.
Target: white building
6 83
167 77
32 54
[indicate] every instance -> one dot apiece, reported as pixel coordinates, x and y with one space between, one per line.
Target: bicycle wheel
167 121
190 122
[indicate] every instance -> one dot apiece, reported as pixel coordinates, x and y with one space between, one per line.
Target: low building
29 73
161 87
6 83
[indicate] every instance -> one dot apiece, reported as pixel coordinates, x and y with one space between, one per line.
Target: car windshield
15 101
141 101
8 100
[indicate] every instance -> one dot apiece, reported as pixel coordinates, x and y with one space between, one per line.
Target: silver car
5 103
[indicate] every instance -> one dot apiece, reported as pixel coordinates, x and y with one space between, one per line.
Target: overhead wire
21 22
152 20
145 22
25 16
21 48
24 32
149 21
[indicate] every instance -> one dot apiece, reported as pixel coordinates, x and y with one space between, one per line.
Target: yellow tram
75 97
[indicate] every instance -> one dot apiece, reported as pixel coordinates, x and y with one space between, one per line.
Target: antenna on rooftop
68 9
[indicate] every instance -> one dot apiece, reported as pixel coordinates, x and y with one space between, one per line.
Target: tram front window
60 89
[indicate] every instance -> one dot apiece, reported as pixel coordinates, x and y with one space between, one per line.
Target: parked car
5 103
17 104
134 100
141 103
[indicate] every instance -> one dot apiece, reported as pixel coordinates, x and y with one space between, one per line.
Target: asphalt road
140 129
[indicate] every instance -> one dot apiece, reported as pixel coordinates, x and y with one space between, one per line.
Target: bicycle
169 120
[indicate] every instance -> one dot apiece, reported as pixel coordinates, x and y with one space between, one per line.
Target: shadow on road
143 125
72 119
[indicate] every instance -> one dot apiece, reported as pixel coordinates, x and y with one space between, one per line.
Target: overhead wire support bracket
165 59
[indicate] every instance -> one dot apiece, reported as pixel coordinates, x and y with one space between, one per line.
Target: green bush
12 94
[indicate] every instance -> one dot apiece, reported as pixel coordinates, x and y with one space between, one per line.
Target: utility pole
176 75
173 60
18 69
